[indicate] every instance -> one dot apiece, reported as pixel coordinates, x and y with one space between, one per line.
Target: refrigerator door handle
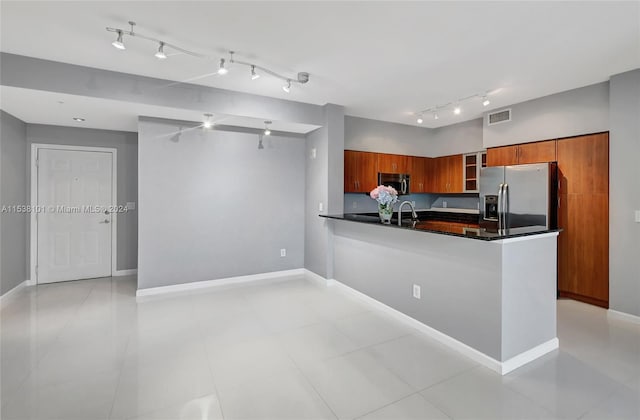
500 206
505 204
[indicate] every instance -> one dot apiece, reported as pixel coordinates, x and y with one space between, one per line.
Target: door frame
35 147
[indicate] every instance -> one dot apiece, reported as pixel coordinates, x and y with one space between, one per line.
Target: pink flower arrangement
384 194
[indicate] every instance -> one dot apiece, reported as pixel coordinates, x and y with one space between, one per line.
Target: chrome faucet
414 216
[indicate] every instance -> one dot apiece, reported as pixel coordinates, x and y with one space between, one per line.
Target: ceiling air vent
499 117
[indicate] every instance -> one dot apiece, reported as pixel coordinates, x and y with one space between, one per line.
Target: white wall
464 137
624 193
212 205
571 113
384 137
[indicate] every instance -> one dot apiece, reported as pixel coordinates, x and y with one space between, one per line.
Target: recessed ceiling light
485 101
457 110
419 120
78 119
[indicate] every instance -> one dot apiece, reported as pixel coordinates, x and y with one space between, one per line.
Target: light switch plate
131 205
320 207
637 216
314 153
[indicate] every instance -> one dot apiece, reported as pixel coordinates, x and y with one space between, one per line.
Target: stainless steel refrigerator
519 195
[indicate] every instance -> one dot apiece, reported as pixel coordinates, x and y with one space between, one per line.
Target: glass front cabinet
471 165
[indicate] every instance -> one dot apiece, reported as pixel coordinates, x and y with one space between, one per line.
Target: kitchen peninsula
491 296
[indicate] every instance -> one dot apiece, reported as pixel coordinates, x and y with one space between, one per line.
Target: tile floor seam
308 380
213 378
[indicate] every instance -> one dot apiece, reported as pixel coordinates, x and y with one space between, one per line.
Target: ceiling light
267 132
419 120
485 101
118 42
287 87
78 119
207 121
457 110
436 116
260 145
222 70
254 75
160 54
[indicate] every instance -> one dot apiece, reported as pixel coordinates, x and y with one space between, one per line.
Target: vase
385 211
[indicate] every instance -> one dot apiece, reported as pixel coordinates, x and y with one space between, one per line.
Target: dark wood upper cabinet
520 154
360 171
393 164
418 174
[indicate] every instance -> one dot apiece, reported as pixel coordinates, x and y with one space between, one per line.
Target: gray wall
324 184
127 145
13 191
624 193
571 113
212 205
384 137
464 137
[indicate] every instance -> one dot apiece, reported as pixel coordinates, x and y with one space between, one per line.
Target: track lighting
222 70
160 54
208 123
456 105
260 145
256 70
118 42
419 120
78 119
254 75
267 132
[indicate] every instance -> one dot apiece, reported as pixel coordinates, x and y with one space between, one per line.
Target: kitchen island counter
469 231
490 297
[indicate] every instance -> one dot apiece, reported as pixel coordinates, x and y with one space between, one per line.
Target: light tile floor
285 350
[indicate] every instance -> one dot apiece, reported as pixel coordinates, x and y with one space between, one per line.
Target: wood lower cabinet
360 171
583 245
521 154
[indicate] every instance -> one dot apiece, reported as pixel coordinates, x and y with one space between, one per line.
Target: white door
74 237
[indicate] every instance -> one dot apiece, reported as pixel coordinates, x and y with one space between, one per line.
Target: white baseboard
10 294
206 284
128 272
30 283
500 367
623 316
315 278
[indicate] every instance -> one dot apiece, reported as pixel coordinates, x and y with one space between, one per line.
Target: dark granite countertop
425 226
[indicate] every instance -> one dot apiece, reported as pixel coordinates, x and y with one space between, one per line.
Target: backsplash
457 201
362 203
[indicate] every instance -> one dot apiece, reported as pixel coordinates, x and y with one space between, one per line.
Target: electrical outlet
131 205
416 291
637 216
444 204
320 207
283 252
413 203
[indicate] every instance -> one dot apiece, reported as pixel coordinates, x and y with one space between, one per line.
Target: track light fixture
267 132
301 77
208 122
254 75
160 54
222 70
456 105
260 145
118 42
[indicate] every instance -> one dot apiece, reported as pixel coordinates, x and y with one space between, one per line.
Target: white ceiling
381 60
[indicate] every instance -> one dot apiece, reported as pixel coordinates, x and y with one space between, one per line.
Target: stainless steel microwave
401 182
